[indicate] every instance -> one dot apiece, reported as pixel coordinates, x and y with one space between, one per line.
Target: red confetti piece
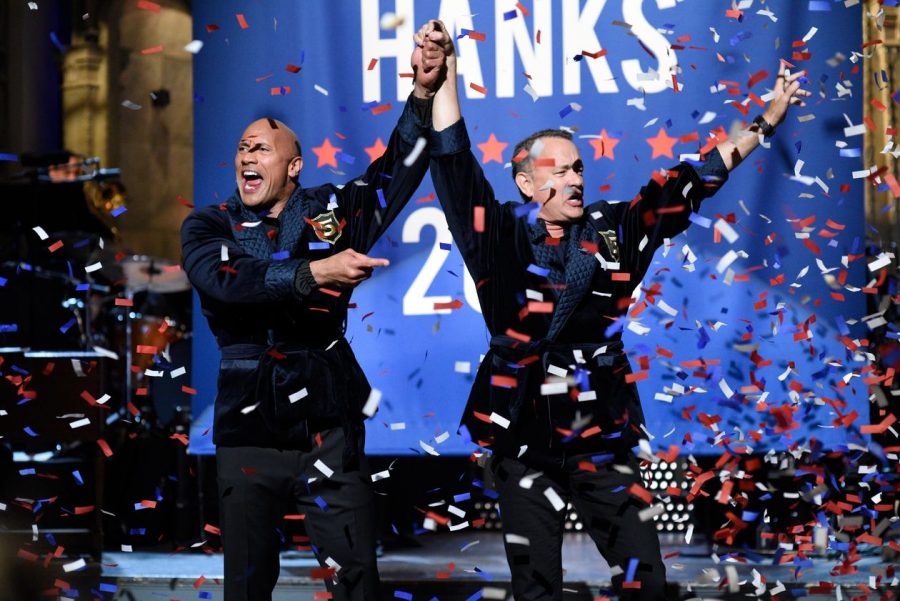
381 108
148 504
146 349
597 54
330 292
199 581
104 446
184 201
477 36
280 91
293 68
145 5
372 64
502 382
524 10
212 529
55 246
757 77
454 304
242 21
322 595
84 509
153 50
478 88
428 198
636 490
124 302
621 277
636 377
211 28
188 390
478 219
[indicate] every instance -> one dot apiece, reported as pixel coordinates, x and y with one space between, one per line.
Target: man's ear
295 166
525 183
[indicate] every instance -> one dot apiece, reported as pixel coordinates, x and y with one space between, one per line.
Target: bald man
274 267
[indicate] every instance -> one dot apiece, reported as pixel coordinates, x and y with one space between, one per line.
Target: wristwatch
766 128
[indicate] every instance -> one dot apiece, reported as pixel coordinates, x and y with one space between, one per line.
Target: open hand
787 92
345 269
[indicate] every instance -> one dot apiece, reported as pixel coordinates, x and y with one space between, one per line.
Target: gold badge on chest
327 227
612 243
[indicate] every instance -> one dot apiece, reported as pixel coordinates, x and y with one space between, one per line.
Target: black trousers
258 486
533 527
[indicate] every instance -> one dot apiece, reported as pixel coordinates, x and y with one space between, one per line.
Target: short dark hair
524 147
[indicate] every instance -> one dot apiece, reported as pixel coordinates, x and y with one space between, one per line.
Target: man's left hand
428 59
787 92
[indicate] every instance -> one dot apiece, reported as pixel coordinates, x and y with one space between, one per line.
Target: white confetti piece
381 476
516 539
300 394
223 255
248 409
587 395
554 388
371 405
462 367
397 426
79 423
553 497
104 399
728 232
40 232
428 448
78 564
498 419
175 373
320 90
557 371
726 389
415 152
194 46
729 258
93 267
326 471
648 513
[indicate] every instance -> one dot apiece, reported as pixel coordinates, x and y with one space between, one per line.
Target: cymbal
154 274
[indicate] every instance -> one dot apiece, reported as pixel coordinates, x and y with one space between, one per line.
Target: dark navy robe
286 368
551 305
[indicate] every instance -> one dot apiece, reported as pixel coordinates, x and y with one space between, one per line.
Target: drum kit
88 297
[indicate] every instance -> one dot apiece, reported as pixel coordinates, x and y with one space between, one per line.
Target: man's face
556 181
266 164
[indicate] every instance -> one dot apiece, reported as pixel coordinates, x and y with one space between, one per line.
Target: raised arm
473 214
374 200
787 92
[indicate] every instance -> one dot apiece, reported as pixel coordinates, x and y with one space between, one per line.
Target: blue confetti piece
463 32
463 497
704 222
3 282
281 255
850 152
381 200
82 287
541 271
30 432
5 156
118 211
476 595
65 327
204 595
445 246
137 531
319 246
77 475
9 327
345 158
29 471
108 588
403 595
632 568
54 39
819 6
50 539
565 111
509 15
321 503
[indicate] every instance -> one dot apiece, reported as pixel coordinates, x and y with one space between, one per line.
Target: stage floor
458 566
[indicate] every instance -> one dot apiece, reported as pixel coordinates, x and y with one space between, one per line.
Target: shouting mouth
252 180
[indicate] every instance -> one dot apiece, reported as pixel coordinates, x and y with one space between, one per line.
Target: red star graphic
375 150
604 145
326 154
492 150
662 144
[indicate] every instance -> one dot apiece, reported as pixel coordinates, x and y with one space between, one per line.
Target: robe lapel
292 224
580 266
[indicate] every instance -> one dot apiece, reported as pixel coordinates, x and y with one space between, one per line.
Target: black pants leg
340 518
258 486
611 519
532 530
254 494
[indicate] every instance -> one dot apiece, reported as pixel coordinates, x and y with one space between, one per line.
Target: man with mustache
550 399
274 267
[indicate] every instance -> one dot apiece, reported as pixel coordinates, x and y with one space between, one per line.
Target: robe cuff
452 140
415 121
713 172
304 282
280 279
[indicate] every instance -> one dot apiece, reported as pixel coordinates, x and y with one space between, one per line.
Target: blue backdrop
748 334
